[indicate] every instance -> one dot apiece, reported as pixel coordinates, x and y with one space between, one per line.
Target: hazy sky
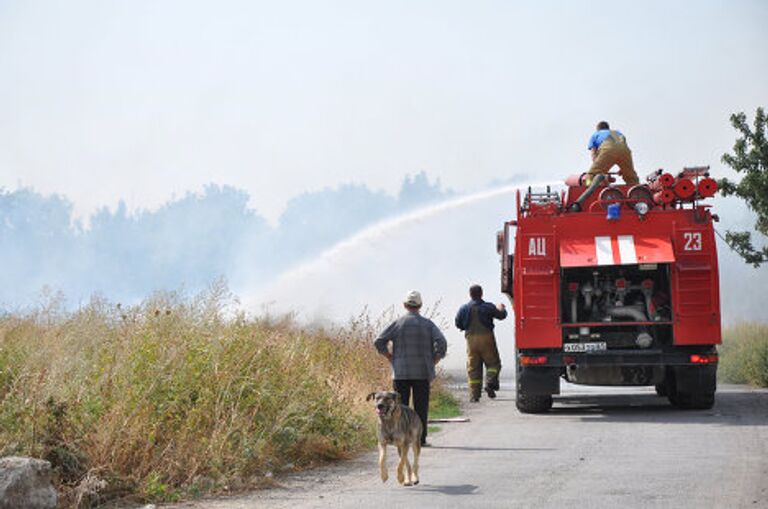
146 99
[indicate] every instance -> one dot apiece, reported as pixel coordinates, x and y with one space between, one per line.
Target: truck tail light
710 358
533 360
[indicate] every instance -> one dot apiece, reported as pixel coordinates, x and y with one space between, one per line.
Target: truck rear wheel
530 404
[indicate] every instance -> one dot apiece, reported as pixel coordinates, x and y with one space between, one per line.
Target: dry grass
744 354
177 397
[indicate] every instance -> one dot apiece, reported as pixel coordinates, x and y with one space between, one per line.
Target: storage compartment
616 293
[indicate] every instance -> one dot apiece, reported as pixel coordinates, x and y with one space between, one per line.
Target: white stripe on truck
627 249
604 251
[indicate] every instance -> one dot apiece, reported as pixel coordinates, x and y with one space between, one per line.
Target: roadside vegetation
442 404
744 354
177 397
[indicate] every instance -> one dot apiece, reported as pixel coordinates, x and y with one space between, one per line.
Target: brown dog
400 426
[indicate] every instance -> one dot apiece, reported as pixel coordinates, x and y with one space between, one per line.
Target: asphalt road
603 447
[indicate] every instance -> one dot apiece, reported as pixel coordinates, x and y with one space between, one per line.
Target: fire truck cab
615 285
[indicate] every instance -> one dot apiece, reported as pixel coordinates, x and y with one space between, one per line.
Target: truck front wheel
530 404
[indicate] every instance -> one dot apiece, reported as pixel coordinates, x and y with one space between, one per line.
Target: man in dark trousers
417 346
475 318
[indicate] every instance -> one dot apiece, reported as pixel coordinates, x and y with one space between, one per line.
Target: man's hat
413 299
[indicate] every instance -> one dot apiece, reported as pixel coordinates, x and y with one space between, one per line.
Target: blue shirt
486 312
599 137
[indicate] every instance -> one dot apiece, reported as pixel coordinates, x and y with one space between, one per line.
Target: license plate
585 347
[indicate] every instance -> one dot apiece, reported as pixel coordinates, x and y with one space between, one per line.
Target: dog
400 426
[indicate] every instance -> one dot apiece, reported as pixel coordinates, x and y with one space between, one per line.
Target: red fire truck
615 285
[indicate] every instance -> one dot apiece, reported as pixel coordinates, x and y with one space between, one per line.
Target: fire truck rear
615 285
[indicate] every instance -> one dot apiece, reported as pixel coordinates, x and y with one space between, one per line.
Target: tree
750 156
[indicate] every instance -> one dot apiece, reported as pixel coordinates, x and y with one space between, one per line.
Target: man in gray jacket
417 346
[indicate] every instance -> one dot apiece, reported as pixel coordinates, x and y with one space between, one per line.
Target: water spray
379 231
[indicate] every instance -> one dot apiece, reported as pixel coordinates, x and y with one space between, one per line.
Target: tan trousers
481 349
610 153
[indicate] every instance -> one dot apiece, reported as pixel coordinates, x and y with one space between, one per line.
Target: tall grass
744 354
180 396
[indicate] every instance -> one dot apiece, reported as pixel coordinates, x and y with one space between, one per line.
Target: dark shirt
486 312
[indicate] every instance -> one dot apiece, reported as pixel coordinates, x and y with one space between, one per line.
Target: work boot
491 393
474 399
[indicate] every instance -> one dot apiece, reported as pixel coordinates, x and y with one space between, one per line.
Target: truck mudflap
538 381
695 379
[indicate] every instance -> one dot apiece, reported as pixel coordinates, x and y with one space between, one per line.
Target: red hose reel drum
684 188
664 197
664 181
707 187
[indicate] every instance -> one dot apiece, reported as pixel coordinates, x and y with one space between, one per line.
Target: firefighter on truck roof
608 148
475 318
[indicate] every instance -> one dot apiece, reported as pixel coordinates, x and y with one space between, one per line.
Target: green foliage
744 354
443 404
153 488
750 156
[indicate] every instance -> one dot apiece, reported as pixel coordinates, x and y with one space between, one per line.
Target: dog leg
416 453
383 462
409 478
401 464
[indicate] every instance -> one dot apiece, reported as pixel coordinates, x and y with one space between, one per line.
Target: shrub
744 354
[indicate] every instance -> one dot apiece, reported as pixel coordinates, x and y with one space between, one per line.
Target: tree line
186 243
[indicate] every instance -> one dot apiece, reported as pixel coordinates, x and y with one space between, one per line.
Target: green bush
744 354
